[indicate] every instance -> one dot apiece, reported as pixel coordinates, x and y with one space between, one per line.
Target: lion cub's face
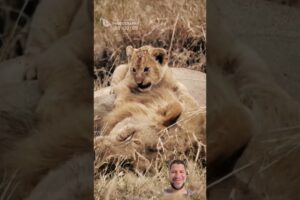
147 66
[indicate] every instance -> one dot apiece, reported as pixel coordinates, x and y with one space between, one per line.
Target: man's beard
176 188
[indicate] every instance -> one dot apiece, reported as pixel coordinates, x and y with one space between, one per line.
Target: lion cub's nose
139 80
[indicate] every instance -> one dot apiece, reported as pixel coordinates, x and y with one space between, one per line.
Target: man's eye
146 69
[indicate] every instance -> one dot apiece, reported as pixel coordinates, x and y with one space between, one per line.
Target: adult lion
265 163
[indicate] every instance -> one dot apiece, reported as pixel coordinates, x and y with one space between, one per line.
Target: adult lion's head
143 145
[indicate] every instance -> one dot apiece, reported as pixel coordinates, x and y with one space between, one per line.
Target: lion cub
147 82
150 108
159 107
147 70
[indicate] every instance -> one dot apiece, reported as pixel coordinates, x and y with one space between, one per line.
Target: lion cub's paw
171 113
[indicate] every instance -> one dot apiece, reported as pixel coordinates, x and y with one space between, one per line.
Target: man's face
177 176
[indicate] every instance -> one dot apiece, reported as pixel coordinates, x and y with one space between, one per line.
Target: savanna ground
179 27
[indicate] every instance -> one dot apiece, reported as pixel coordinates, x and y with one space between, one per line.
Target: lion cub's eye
146 69
133 69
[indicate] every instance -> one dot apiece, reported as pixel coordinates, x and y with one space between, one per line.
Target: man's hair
177 162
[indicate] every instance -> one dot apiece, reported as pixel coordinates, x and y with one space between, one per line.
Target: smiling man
177 177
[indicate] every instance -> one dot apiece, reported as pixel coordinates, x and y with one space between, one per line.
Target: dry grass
145 187
154 22
178 26
116 178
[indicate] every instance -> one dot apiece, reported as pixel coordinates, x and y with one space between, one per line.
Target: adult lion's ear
160 55
129 51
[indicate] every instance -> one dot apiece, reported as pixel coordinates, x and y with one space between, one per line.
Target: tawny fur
260 99
77 171
63 125
146 65
164 112
163 93
248 83
70 16
159 105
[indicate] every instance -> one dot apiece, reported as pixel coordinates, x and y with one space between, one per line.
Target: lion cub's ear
160 55
129 51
